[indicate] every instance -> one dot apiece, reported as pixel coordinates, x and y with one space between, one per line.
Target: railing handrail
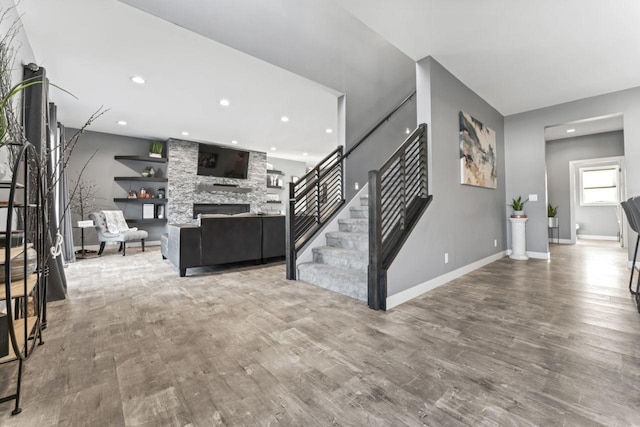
377 126
317 166
402 148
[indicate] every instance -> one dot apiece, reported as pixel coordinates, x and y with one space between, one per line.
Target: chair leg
142 245
633 266
120 248
101 248
124 248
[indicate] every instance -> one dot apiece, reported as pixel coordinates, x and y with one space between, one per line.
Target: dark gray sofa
222 239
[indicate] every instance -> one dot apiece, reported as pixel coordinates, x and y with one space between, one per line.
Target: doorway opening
586 182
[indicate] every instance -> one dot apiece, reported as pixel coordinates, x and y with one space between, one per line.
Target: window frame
616 169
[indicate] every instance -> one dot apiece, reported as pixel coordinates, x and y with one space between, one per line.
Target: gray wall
103 168
594 220
320 41
462 220
525 150
289 168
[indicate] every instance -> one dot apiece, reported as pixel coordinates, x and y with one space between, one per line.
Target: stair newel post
376 275
403 177
342 171
425 156
290 234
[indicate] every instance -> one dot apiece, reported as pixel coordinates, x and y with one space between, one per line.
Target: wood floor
515 343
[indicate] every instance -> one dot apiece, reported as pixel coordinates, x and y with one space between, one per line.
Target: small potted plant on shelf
551 213
156 149
518 207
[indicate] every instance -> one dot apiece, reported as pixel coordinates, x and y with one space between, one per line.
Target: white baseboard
596 237
539 255
566 242
417 290
630 263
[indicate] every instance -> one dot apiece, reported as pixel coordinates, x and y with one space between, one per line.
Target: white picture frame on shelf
148 211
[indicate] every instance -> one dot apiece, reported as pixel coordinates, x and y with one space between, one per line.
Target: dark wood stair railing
317 196
398 196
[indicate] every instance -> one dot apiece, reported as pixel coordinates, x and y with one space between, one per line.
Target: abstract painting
478 165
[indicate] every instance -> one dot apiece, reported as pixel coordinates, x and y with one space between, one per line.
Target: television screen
214 160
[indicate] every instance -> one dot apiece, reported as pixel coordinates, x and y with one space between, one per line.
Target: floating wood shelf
155 200
274 201
142 159
17 287
274 172
15 252
7 184
18 328
147 221
275 186
140 178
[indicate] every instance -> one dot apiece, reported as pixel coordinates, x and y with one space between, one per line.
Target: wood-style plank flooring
515 343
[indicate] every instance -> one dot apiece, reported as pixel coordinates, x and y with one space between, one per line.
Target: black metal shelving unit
24 263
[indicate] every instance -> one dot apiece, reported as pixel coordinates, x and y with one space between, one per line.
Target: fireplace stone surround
185 188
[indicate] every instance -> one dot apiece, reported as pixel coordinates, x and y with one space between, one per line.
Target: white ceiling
93 47
585 127
517 55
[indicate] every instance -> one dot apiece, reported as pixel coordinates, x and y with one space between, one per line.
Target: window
599 186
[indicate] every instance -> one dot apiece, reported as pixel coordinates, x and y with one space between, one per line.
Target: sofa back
230 239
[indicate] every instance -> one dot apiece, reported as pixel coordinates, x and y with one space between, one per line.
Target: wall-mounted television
214 160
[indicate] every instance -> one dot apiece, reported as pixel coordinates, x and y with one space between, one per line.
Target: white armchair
112 227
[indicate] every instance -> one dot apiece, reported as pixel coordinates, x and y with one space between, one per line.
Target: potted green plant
156 149
518 207
551 213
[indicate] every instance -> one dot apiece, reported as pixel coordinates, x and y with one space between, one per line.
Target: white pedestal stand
518 239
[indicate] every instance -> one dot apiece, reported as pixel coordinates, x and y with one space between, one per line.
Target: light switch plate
533 197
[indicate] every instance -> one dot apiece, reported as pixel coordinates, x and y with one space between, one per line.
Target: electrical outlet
495 243
446 258
533 197
357 187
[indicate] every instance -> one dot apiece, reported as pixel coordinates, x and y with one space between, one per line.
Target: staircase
342 265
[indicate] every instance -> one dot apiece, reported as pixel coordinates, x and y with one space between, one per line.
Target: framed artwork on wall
478 164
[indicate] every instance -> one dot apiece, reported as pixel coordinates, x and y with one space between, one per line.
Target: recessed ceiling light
329 130
273 148
234 142
304 154
122 123
284 119
408 131
139 80
570 130
185 133
224 102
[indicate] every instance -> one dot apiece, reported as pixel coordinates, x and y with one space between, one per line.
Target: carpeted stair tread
346 282
343 258
359 211
354 225
346 240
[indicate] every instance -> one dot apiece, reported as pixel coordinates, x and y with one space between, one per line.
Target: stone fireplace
186 189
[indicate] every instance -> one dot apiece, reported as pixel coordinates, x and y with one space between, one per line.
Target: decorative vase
553 222
156 155
518 213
